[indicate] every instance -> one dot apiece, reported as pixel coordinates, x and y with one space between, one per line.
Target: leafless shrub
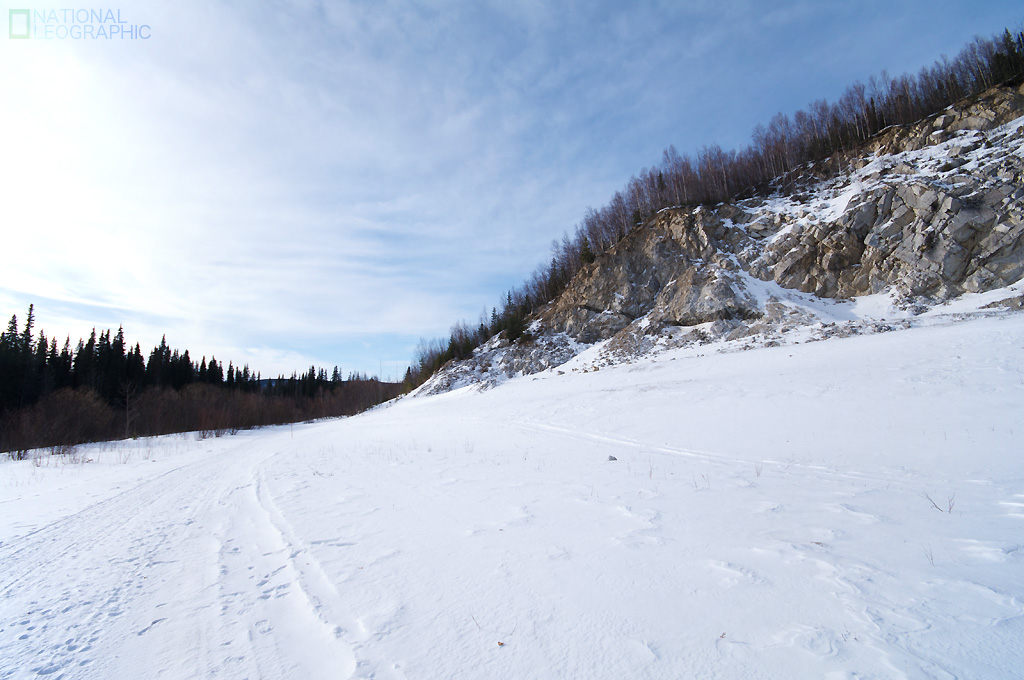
950 503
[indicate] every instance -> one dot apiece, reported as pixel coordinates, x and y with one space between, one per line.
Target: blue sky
299 182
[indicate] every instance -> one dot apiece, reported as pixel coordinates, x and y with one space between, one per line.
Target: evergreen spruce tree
10 366
586 254
214 372
26 335
64 376
135 369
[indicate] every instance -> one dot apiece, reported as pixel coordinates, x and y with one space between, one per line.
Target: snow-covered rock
921 215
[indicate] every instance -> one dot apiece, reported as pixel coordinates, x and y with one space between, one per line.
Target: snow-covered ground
852 508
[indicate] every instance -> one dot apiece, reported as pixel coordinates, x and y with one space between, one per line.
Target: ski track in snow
843 509
189 560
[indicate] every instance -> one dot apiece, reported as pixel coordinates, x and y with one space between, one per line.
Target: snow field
767 516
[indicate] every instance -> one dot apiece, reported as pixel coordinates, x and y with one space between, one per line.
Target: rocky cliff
921 215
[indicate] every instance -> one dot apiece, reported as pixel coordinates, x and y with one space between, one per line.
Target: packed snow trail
183 575
840 509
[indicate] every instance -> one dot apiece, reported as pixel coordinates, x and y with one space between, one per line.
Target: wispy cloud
322 182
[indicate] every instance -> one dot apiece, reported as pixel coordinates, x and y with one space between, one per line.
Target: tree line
712 175
105 389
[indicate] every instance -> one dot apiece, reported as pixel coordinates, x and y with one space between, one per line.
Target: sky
295 182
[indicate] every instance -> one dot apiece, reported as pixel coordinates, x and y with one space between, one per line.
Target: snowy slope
852 508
